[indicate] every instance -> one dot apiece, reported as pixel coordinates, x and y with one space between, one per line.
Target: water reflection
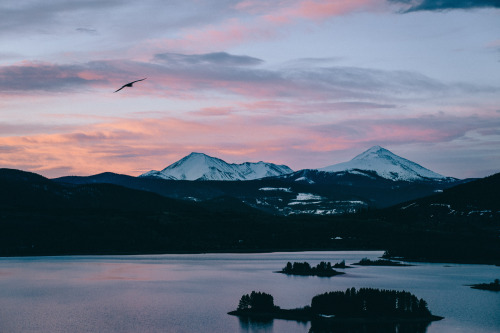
251 325
256 325
268 325
192 293
324 327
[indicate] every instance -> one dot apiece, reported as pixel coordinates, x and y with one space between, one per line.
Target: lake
194 292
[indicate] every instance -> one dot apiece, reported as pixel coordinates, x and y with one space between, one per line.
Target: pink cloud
215 38
125 146
134 146
215 111
320 10
263 24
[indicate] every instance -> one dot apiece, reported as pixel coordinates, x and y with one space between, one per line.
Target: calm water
193 293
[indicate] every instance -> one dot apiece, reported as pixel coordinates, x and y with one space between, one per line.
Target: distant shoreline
243 251
493 286
311 274
380 262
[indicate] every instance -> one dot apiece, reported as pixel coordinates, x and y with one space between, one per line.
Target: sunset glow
302 83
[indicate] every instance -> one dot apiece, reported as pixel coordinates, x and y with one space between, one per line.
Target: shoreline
298 315
327 275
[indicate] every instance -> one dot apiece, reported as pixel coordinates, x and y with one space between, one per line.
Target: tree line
352 303
370 302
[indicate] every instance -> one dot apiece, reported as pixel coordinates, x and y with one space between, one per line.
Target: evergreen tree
244 303
256 301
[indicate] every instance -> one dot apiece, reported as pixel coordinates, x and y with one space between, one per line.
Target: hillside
302 192
43 217
460 222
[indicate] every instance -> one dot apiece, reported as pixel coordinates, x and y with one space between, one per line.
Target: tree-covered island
379 262
366 305
323 269
341 265
492 286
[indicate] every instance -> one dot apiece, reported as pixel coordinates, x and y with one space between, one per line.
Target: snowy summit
198 166
386 165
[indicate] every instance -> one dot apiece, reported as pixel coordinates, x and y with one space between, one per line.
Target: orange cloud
134 146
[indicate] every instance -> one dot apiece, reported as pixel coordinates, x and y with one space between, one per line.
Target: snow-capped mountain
386 165
198 166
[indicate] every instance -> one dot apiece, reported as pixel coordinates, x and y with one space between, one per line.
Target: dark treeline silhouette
368 302
493 286
323 269
341 265
379 262
352 307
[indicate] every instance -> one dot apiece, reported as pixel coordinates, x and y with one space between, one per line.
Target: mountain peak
374 151
386 164
195 154
199 166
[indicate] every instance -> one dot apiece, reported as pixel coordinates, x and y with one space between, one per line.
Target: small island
492 286
380 262
341 265
323 269
363 306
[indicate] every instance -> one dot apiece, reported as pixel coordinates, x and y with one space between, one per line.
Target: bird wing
137 80
120 88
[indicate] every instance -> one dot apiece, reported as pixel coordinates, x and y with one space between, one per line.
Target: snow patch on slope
282 189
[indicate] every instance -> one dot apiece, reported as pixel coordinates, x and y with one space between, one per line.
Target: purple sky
302 83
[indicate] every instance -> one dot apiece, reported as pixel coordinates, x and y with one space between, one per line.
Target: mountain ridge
375 160
200 166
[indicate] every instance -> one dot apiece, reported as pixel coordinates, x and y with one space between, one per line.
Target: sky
305 83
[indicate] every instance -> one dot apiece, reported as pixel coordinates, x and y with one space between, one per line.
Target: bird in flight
130 84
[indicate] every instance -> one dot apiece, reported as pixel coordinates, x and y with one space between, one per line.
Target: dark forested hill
39 216
461 222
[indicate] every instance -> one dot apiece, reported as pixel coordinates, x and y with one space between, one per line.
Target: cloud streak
32 76
174 73
214 58
441 5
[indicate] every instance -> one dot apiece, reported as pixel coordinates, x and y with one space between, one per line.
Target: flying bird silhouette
130 84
